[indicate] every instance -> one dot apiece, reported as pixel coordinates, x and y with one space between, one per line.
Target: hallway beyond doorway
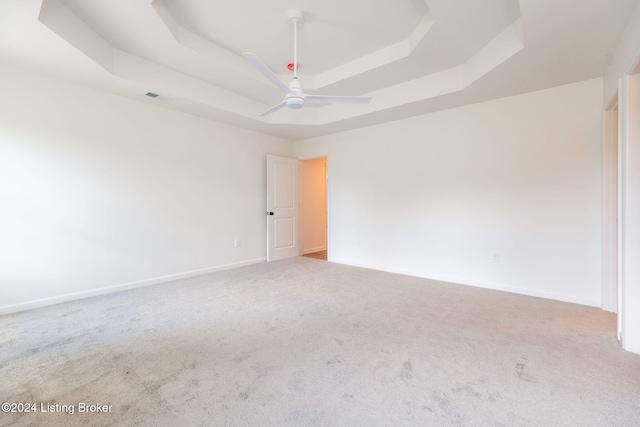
317 255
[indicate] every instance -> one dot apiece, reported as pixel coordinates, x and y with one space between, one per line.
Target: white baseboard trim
492 286
43 302
313 250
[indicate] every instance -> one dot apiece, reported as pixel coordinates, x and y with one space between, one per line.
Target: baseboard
43 302
492 286
314 250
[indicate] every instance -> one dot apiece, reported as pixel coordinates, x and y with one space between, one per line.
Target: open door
282 208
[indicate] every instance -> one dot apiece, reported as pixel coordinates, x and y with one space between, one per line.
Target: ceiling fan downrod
295 98
296 18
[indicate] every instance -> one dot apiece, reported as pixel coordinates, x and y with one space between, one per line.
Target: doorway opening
313 208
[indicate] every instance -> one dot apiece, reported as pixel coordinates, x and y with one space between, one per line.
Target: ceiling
411 56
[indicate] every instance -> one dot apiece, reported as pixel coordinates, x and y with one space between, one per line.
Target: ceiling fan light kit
295 98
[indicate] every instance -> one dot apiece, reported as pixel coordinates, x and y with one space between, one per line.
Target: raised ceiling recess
410 56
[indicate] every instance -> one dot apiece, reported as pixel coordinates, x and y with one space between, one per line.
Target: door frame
628 315
611 207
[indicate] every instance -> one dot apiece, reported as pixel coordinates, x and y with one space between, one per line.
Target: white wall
99 190
619 82
630 218
313 205
437 195
625 56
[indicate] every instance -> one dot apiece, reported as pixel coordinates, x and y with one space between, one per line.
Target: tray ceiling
411 56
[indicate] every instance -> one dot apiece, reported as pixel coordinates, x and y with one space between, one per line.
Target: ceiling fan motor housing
295 97
295 102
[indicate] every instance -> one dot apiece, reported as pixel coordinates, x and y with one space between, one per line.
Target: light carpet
303 342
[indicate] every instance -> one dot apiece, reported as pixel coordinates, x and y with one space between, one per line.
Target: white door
282 208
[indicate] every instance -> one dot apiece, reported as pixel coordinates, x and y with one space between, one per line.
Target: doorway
313 208
629 195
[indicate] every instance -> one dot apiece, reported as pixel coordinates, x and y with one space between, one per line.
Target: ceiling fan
294 97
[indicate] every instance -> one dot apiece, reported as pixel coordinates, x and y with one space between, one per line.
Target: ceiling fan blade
328 99
274 109
265 71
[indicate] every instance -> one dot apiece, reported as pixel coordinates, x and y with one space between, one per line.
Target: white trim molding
43 302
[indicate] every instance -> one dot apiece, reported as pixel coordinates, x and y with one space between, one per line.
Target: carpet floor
302 342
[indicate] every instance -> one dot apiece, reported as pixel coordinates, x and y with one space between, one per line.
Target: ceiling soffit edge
175 84
233 60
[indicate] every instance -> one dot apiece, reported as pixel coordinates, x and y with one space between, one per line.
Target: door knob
270 213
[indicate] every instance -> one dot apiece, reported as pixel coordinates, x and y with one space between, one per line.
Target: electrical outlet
495 257
237 243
